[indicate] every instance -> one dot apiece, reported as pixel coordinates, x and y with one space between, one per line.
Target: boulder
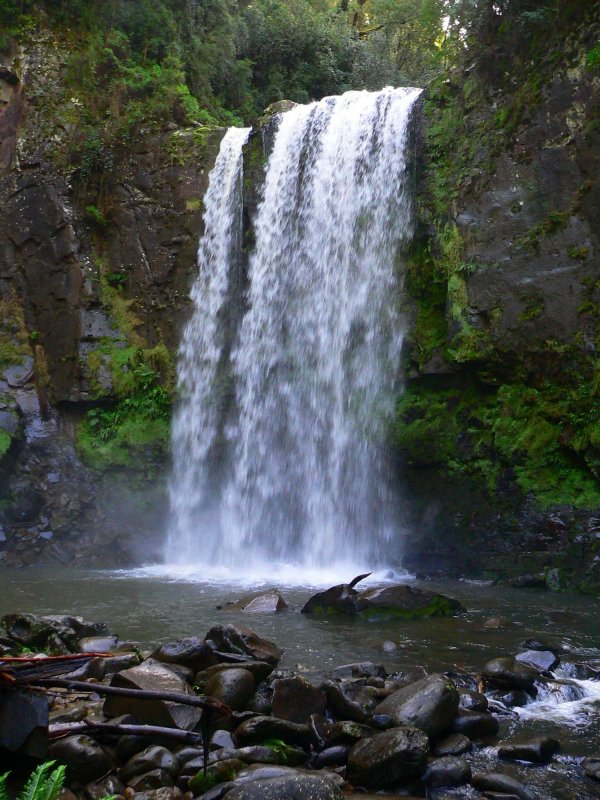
447 771
475 724
234 687
429 704
540 750
390 602
269 602
298 786
504 784
256 754
220 772
191 652
259 729
454 745
473 701
380 761
507 673
349 700
85 760
154 676
405 602
50 630
364 669
154 779
243 642
106 787
348 732
260 670
591 767
164 793
542 660
340 599
295 699
153 757
332 756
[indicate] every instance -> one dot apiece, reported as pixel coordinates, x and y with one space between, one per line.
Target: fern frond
34 788
3 790
53 784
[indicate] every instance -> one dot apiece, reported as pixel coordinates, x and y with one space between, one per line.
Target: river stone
153 676
380 761
191 652
269 602
473 701
319 729
405 602
164 793
35 631
293 787
339 599
259 772
153 757
85 760
349 701
221 738
219 772
507 673
475 724
446 771
243 641
496 782
429 704
98 644
258 754
19 375
295 699
260 670
454 745
106 787
544 660
516 698
259 729
188 753
234 687
153 779
348 732
332 756
540 750
363 669
591 767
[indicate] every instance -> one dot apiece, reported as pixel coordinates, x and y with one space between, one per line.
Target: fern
41 784
3 791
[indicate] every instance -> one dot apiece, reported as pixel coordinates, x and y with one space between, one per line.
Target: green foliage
547 436
14 345
44 783
140 420
5 442
593 57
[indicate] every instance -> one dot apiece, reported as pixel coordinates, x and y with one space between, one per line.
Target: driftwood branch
122 729
206 703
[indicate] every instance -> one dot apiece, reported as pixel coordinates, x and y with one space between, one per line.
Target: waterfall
278 443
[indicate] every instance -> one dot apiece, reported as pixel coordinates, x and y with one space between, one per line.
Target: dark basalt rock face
56 263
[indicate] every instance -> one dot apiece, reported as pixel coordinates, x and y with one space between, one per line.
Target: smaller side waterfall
203 353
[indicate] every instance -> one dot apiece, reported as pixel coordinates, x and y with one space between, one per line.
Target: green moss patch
545 436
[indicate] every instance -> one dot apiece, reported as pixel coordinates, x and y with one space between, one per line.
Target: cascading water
278 453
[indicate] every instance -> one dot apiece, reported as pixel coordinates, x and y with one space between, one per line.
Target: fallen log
209 704
59 730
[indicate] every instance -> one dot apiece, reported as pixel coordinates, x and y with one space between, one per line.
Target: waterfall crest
301 474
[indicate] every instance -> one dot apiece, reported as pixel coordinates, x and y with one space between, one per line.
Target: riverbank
392 722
